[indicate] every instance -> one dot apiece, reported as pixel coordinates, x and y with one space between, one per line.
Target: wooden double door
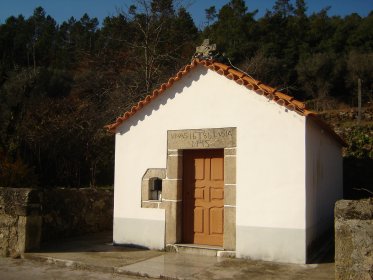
203 197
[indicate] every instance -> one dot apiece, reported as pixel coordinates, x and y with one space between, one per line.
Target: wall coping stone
354 209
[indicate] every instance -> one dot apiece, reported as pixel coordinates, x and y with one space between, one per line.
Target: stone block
144 190
230 195
174 167
155 172
354 209
230 170
14 201
230 228
174 152
230 152
22 234
354 239
7 220
150 204
171 189
173 221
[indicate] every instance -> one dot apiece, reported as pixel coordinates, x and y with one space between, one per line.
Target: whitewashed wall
324 179
270 215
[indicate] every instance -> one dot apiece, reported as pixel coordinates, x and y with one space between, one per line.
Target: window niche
151 187
155 188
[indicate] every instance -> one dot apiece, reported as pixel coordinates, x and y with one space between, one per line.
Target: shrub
16 173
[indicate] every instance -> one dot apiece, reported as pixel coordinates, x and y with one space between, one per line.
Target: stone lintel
154 172
209 138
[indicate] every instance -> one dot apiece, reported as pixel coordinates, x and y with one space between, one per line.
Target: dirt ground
21 269
259 270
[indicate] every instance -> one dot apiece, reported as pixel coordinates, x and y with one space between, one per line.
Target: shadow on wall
162 99
74 212
357 177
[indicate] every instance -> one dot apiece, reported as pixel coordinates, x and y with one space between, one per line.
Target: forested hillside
60 83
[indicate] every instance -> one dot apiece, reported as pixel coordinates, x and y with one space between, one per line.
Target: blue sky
61 10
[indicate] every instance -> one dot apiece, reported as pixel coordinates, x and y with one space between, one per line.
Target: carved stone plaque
209 138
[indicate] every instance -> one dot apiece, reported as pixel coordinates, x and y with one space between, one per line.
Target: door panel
217 169
203 197
216 218
217 194
199 168
198 220
199 193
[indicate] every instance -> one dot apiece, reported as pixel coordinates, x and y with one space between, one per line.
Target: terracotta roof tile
284 96
222 66
236 74
239 77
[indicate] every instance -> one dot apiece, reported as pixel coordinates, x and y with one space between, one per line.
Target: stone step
202 250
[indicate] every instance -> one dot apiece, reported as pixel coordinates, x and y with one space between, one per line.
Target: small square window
155 188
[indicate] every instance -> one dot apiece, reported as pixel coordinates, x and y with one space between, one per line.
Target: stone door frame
211 138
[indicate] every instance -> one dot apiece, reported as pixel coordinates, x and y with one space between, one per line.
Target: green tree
362 37
44 29
159 33
232 30
360 66
317 74
283 8
88 29
211 15
162 8
15 38
300 8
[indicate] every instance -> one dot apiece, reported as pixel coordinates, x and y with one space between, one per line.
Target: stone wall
31 216
348 115
20 221
354 239
73 212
